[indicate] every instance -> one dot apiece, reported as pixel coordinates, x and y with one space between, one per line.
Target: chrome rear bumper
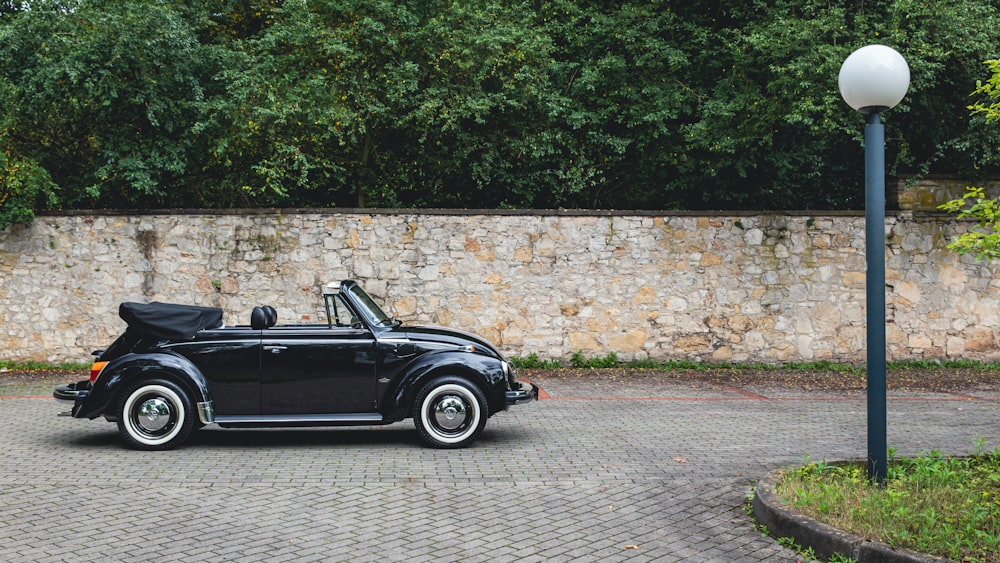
70 392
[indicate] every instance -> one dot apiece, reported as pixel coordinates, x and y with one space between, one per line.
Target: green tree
984 239
100 97
988 104
476 133
481 103
622 79
772 132
361 103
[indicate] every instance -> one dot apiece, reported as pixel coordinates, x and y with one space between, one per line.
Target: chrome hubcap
450 413
153 414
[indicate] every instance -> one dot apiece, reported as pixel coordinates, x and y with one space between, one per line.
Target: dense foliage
984 239
479 103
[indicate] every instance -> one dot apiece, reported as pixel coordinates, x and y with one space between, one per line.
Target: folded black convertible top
168 321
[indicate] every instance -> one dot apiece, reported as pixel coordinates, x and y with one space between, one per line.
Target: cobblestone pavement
661 472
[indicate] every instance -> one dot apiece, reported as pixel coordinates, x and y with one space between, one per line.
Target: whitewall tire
155 415
449 412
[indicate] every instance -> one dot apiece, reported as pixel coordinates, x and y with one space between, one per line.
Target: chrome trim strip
282 419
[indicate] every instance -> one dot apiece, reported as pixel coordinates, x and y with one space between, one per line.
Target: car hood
443 335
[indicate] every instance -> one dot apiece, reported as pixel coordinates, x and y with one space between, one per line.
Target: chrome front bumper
525 393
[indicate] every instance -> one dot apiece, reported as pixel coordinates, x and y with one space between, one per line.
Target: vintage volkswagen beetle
176 368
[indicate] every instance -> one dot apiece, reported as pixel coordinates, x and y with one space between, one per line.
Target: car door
317 370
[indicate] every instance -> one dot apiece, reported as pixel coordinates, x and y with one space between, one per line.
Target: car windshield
369 308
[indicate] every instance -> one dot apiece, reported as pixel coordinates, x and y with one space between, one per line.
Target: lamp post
874 79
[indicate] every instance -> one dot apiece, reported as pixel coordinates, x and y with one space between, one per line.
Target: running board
279 420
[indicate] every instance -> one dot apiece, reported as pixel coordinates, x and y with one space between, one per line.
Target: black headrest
258 318
272 315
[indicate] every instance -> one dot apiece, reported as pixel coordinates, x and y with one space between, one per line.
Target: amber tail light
95 370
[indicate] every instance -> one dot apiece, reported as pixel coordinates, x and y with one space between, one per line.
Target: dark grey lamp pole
872 80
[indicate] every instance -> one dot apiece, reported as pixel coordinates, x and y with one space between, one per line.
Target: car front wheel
449 412
155 415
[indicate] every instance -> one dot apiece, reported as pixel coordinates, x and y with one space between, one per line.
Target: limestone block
632 341
980 340
953 278
919 341
584 341
854 279
753 237
693 343
709 260
805 344
645 295
908 293
722 354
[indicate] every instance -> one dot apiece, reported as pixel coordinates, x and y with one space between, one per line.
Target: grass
932 503
42 366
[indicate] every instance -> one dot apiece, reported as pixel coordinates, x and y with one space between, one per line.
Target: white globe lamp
874 79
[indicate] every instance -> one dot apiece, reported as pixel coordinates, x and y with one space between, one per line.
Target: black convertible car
176 368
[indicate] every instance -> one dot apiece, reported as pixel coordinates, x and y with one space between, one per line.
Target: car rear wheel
449 412
155 415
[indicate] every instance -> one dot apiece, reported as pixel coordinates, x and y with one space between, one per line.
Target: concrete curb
784 522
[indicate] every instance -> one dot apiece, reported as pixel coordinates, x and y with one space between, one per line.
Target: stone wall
926 193
715 288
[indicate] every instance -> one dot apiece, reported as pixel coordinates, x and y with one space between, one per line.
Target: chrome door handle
275 349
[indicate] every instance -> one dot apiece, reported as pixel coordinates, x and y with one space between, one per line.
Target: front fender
484 371
104 390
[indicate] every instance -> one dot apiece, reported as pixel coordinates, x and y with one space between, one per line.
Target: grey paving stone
659 477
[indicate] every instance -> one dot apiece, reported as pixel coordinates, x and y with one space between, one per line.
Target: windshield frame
367 306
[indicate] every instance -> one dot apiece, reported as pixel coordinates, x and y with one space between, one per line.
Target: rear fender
484 371
115 376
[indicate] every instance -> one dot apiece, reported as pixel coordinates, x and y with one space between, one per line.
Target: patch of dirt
937 380
36 381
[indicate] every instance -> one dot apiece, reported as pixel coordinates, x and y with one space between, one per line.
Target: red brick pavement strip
745 395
